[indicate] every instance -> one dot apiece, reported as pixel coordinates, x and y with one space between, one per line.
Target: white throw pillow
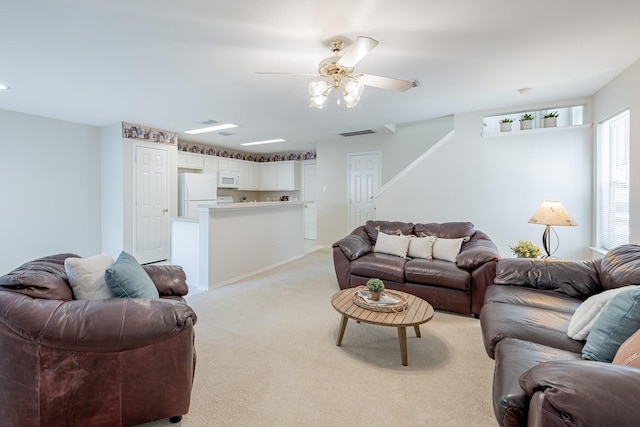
586 314
421 247
392 245
86 276
447 249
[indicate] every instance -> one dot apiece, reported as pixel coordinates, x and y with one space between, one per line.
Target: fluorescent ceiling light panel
211 128
3 87
268 141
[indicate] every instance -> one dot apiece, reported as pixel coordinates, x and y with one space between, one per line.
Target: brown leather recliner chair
110 362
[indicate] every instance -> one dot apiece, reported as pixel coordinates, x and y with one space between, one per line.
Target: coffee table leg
343 326
402 338
417 329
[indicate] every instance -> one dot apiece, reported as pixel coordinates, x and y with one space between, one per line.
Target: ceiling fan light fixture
352 92
319 92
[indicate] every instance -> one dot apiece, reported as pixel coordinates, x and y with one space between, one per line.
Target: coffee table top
418 311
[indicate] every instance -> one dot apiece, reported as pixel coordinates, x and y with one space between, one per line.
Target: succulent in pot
375 287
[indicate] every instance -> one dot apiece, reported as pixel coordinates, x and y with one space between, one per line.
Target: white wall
624 92
50 192
397 151
498 182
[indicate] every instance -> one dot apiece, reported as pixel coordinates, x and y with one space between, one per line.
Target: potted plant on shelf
375 287
526 249
505 124
550 120
526 121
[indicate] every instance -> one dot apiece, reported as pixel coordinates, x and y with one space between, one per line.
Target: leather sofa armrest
577 279
170 280
355 244
106 325
477 251
591 393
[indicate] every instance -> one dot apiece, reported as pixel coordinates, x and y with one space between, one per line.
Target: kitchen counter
230 241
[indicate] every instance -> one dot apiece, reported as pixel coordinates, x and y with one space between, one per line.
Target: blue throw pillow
127 279
619 319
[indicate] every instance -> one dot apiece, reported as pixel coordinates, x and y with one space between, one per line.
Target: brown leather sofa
109 362
540 378
457 287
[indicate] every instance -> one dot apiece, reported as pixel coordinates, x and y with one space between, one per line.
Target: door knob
165 210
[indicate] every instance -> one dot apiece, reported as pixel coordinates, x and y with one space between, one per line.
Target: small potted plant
505 124
525 249
375 287
526 121
550 120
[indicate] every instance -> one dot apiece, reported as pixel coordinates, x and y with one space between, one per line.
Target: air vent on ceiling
208 122
357 132
226 133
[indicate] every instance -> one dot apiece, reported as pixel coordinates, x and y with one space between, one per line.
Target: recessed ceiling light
211 128
4 87
268 141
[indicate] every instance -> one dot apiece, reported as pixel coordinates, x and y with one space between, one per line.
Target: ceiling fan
338 71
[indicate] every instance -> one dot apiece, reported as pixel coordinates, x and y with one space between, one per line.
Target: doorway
364 182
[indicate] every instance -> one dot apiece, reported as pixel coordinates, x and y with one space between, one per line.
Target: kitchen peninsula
234 240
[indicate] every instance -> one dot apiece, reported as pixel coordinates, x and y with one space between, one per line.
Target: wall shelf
534 131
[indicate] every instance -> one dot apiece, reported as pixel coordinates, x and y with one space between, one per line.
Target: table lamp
550 213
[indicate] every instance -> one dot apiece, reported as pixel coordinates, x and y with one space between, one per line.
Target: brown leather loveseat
542 376
104 362
454 286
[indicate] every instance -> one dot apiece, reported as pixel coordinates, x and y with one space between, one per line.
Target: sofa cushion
549 300
445 230
574 278
539 325
421 247
620 267
86 276
629 352
389 227
447 249
392 244
587 313
618 321
127 279
438 273
43 278
514 357
382 266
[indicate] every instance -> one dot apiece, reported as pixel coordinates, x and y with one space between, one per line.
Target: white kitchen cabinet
249 175
225 164
190 161
210 165
279 176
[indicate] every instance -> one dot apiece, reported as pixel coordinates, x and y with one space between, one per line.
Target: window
612 172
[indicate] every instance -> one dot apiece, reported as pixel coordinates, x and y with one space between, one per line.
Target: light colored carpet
267 357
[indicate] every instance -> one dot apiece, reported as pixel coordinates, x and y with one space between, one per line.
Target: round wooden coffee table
418 312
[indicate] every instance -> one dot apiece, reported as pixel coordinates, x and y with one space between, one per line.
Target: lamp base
546 242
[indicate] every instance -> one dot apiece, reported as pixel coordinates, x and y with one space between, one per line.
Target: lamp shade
551 212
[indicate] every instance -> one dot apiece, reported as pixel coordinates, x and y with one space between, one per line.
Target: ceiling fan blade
358 50
292 74
386 82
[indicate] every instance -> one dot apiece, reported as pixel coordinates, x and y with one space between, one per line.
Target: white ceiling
171 64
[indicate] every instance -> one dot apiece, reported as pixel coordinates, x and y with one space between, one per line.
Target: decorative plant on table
526 121
526 249
375 287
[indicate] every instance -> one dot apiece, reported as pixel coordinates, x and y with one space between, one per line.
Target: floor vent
357 132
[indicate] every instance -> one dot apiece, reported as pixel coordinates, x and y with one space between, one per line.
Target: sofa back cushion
387 227
41 278
620 267
446 230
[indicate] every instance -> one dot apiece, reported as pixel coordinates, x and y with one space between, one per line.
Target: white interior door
152 207
309 188
364 181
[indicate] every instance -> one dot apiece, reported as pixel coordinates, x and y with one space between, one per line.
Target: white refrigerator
195 189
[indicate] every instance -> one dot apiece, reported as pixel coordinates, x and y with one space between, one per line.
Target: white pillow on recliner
586 314
86 276
392 245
